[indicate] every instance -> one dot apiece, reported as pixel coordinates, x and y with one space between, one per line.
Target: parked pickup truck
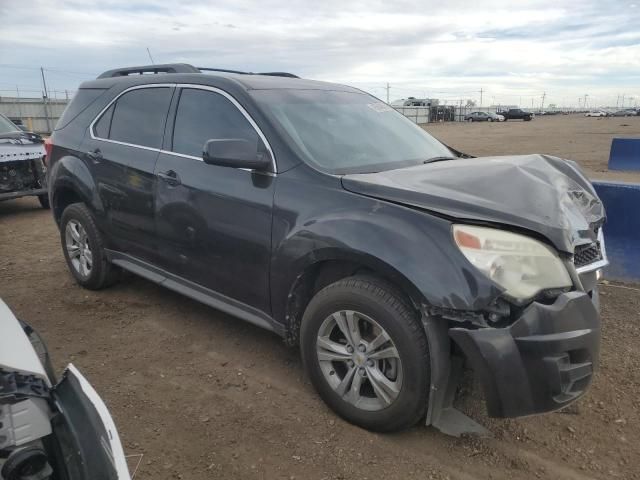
22 163
516 114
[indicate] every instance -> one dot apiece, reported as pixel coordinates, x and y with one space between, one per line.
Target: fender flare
71 173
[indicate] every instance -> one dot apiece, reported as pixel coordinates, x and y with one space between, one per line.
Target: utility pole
544 94
18 101
481 97
46 100
617 100
622 106
388 88
585 100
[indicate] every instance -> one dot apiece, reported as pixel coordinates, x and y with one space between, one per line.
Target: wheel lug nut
349 349
350 363
361 348
361 371
370 363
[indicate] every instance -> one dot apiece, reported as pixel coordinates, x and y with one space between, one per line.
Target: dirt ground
202 395
586 140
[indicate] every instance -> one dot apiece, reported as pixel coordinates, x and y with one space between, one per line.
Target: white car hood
16 352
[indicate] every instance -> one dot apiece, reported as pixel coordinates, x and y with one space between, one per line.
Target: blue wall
622 230
625 154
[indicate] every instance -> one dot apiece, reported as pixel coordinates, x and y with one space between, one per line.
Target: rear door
124 146
213 222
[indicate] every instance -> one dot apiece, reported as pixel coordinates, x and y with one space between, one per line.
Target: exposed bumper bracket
446 371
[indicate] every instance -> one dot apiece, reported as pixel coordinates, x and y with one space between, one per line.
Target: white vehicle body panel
16 352
113 446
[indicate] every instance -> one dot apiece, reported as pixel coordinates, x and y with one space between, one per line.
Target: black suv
318 212
516 114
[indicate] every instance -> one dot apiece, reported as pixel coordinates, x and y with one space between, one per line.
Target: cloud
509 49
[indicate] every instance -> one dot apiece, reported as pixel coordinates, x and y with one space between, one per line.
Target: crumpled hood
20 146
540 193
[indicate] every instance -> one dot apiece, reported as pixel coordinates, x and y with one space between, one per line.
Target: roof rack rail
271 74
223 70
165 68
279 74
181 68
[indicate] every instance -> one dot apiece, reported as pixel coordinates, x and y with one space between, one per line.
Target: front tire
366 354
83 247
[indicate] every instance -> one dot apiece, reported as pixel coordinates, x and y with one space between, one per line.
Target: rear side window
102 127
82 99
203 115
139 117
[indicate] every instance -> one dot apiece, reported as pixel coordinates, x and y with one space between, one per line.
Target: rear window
139 117
82 99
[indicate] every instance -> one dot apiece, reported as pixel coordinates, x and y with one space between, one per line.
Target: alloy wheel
78 248
359 360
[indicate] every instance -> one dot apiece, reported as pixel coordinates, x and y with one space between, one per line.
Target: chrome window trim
600 263
168 152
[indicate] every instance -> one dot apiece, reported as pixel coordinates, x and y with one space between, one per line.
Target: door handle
169 177
95 156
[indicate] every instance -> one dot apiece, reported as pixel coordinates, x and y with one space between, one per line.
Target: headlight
521 265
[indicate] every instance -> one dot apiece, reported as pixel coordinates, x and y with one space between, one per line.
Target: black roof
185 73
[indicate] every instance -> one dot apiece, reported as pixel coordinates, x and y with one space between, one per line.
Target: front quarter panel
315 219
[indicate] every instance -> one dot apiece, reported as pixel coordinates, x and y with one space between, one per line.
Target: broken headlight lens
521 265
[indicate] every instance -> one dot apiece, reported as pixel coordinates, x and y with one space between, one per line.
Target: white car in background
49 430
596 113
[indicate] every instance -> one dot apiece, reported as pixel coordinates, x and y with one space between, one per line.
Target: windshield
347 132
7 126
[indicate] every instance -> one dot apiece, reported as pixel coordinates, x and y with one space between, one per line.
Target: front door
213 223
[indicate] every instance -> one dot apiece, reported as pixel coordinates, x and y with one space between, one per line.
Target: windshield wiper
438 159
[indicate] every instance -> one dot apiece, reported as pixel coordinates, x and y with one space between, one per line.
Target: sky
514 51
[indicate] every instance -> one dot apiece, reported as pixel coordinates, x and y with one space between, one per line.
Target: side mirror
236 153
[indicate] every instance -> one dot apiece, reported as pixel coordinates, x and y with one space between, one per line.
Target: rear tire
44 201
386 391
83 247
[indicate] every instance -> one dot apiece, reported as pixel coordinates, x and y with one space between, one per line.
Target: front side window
138 117
348 132
204 115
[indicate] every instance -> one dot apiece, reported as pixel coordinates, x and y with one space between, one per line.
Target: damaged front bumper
22 174
541 362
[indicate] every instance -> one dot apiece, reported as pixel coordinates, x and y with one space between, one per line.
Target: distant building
415 102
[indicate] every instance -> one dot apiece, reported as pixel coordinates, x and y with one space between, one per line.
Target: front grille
587 254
